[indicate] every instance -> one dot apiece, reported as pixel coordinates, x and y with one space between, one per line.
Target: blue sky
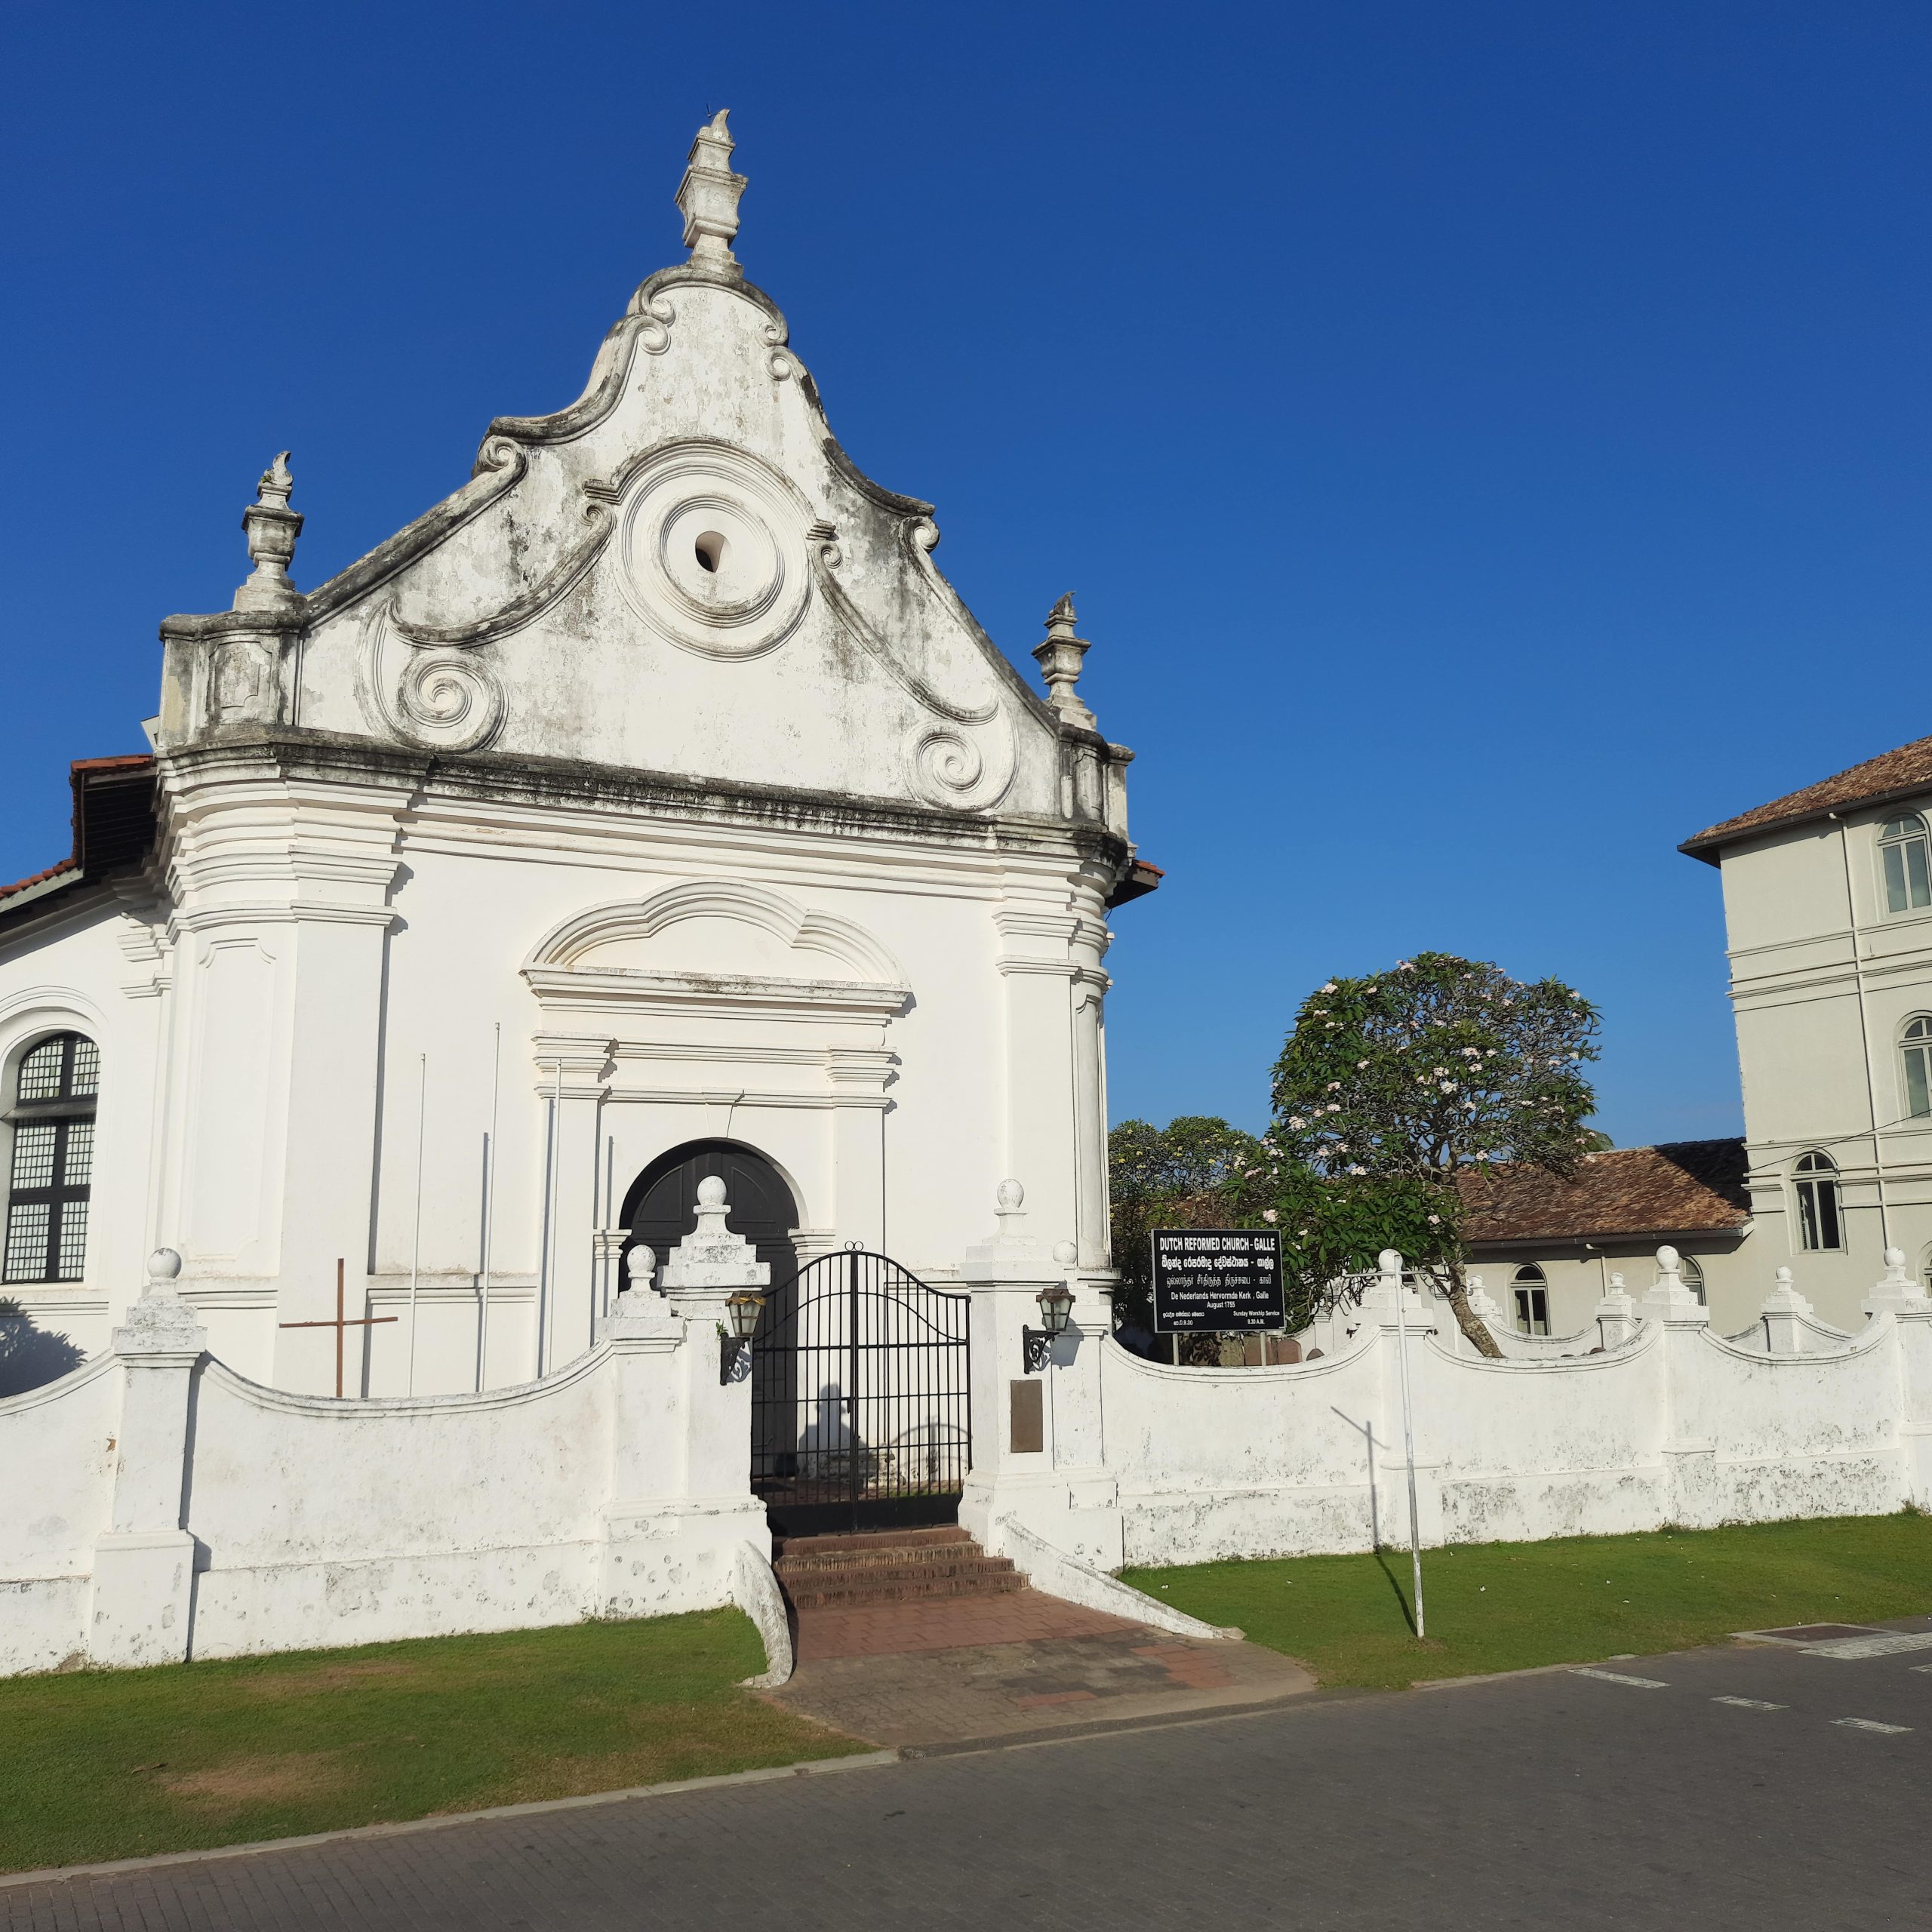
1488 442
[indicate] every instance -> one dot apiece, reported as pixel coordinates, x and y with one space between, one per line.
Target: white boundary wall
161 1506
1649 1420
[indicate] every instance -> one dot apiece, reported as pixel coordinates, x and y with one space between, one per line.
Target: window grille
50 1170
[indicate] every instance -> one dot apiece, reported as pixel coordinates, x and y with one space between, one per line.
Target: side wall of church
89 967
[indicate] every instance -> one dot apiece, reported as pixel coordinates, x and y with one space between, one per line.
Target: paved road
1537 1802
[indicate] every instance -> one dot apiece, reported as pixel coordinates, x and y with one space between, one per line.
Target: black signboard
1217 1281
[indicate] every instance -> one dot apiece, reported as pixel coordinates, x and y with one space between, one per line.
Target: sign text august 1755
1209 1280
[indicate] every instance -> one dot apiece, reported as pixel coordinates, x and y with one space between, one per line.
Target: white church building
651 807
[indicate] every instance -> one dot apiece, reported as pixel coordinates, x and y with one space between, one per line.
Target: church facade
652 807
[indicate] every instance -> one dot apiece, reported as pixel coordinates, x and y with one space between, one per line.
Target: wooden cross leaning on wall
341 1325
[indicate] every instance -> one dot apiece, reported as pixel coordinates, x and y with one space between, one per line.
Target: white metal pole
489 1211
416 1243
547 1270
1392 1266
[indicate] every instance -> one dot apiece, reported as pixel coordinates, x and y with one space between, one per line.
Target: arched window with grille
1694 1277
50 1116
1915 1050
1530 1287
1906 852
1820 1223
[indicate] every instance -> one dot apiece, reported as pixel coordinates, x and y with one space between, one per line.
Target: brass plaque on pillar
1027 1434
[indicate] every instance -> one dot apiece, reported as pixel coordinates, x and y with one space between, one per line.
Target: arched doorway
661 1207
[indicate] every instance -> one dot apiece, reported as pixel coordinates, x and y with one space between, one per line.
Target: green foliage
1512 1606
1391 1085
1175 1176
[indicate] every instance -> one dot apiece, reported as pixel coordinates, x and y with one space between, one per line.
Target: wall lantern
1056 1311
743 1309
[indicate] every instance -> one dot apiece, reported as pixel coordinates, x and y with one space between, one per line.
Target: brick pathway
946 1671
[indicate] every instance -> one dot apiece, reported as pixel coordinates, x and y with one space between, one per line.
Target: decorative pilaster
570 1083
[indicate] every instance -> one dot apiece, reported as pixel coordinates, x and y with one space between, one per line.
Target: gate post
681 1501
1039 1456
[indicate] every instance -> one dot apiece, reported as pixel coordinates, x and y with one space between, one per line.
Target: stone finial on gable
272 528
1059 659
708 198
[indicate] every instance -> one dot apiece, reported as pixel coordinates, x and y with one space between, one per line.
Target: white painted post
144 1562
415 1238
1783 1310
1390 1263
489 1211
1689 1462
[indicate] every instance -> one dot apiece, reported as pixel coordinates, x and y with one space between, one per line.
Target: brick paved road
1549 1800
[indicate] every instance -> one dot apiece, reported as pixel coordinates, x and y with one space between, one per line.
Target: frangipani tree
1393 1086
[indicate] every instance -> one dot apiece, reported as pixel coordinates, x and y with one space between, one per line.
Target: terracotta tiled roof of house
1680 1187
1893 774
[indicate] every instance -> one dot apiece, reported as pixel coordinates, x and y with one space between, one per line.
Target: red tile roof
1681 1187
1893 774
113 820
39 878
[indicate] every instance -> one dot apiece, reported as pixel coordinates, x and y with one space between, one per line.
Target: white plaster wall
1675 1425
326 1522
57 1445
65 970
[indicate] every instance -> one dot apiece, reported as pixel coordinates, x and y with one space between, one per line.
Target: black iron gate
861 1398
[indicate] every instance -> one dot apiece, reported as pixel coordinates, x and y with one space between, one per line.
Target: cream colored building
1828 906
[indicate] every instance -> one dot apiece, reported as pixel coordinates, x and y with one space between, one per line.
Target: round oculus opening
709 550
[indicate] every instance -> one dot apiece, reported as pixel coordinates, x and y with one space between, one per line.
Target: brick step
881 1576
847 1542
856 1596
891 1562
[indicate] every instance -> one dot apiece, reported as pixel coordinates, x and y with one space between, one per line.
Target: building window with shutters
1820 1223
51 1123
1905 853
1531 1289
1915 1048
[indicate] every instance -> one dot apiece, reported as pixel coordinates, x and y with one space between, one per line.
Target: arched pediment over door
715 1010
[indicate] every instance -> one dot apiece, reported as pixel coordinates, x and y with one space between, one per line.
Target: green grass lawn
1509 1606
103 1764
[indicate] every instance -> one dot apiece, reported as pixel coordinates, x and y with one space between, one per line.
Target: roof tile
1681 1186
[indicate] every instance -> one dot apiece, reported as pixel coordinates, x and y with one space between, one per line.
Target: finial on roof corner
272 528
1059 660
707 199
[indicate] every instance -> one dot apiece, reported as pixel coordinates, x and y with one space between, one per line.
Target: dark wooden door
661 1207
